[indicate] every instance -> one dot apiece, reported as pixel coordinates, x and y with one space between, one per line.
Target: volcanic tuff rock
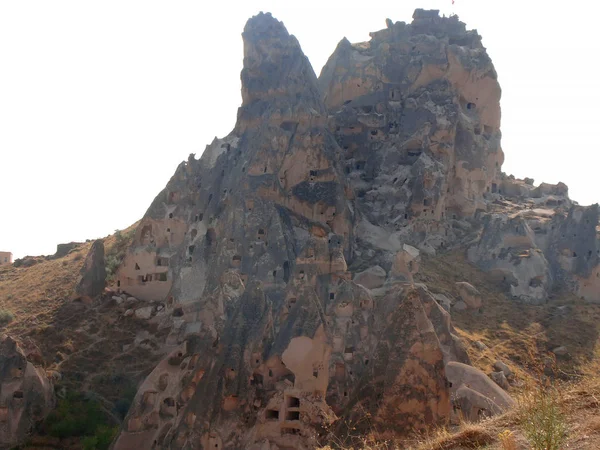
286 253
93 272
26 394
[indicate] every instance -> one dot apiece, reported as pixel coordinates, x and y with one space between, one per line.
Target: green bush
543 420
79 416
112 263
75 416
6 317
101 440
114 256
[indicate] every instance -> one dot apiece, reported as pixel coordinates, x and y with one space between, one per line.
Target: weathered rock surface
500 379
406 263
93 272
476 395
64 249
144 313
26 394
371 278
443 301
469 295
286 254
503 367
551 242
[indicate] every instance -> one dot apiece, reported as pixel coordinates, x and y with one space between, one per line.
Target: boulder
443 301
480 345
406 263
460 306
144 313
560 351
500 379
474 393
502 367
93 273
27 394
371 278
469 295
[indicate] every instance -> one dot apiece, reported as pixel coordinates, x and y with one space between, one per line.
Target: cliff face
285 255
416 110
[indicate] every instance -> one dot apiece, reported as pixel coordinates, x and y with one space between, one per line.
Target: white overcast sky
101 100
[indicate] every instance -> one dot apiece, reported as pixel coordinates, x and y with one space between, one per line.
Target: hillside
518 334
90 349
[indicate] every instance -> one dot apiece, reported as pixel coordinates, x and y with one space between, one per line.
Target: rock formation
286 254
64 249
93 272
543 241
26 394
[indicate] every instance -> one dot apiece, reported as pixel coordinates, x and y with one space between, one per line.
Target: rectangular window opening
293 402
272 414
292 415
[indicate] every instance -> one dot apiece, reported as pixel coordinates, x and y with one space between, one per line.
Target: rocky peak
277 78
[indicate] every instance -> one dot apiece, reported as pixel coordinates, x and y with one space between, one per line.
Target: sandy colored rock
27 395
500 379
474 393
371 278
469 295
502 367
443 300
144 313
480 345
406 263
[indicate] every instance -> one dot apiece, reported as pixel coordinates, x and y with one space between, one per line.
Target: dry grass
34 294
82 342
519 334
507 440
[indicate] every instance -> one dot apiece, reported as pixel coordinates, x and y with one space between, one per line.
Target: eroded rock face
475 394
286 254
469 295
416 110
64 249
371 278
93 272
26 394
533 249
